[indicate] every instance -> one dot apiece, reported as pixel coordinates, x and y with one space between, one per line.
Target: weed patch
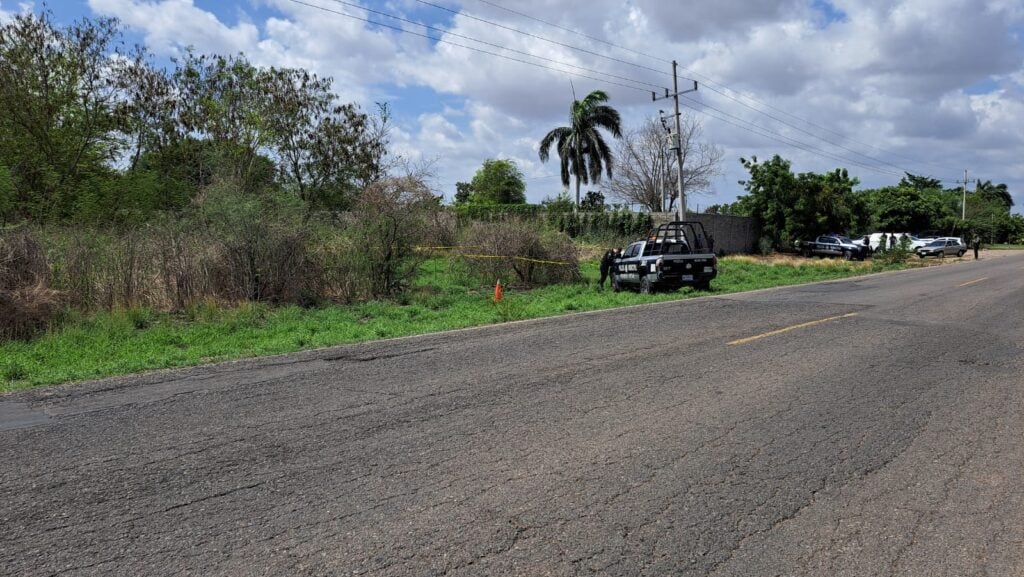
444 298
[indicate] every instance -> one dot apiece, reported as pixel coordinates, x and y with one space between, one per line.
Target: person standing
883 242
892 241
606 265
976 243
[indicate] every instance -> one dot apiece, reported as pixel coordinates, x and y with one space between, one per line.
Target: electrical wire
538 37
576 32
761 131
710 83
725 90
492 44
482 51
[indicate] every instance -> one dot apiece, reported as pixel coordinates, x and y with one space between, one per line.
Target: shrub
260 248
892 256
392 217
27 303
519 250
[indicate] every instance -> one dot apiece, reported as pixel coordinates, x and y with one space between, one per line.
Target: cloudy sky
880 87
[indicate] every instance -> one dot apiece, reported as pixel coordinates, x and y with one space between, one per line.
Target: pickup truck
674 255
834 245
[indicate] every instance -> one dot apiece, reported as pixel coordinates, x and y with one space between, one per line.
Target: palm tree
999 192
580 146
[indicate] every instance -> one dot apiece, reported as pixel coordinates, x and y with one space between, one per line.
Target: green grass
117 343
1004 246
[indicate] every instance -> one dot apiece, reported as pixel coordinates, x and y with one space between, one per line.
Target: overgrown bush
261 248
393 217
892 256
520 251
27 303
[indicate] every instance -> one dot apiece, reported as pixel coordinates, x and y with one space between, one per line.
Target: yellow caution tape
522 258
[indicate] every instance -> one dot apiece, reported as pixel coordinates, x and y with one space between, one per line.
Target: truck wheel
702 285
960 254
807 253
847 255
645 286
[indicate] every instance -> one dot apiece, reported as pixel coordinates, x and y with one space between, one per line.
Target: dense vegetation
790 207
215 184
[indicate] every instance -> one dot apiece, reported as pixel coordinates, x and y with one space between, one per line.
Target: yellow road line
973 281
787 329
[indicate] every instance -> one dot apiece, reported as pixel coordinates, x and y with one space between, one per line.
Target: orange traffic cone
498 292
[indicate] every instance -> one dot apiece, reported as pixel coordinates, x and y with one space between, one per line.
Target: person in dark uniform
892 241
976 243
606 265
883 242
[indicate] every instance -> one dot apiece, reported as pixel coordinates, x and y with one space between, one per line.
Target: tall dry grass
27 303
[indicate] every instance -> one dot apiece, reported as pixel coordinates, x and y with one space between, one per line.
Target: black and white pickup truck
834 245
674 255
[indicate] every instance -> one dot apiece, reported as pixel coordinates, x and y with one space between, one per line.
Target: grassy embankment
107 344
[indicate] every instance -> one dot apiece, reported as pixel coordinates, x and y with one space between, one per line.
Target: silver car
941 248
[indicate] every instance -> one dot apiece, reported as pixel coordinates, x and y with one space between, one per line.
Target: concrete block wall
732 234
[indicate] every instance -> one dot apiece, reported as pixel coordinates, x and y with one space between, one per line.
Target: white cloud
893 79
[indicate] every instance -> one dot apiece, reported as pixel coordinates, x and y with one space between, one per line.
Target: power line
709 82
482 51
762 131
576 32
808 133
491 44
742 123
538 37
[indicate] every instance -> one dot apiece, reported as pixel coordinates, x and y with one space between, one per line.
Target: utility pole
678 141
963 204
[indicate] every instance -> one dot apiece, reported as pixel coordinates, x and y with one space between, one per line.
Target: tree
498 182
593 202
463 192
918 182
582 150
903 208
792 207
647 165
998 192
58 89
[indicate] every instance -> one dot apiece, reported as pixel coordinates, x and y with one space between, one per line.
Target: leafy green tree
463 192
327 151
6 195
593 202
791 207
58 91
582 150
998 192
561 203
903 208
498 181
918 182
771 194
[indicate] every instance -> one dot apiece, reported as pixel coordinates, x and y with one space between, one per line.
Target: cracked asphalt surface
626 442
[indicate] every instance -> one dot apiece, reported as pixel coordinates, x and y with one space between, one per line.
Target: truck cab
674 255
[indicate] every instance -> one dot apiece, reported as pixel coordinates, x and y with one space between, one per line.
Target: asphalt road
872 426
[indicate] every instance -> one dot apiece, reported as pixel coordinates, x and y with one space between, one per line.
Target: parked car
831 245
941 248
876 240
